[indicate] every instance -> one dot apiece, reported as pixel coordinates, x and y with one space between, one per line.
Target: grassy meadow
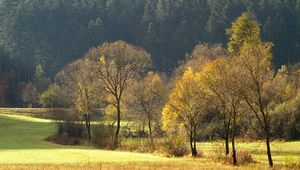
22 146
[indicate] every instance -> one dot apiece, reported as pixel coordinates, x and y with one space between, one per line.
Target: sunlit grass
281 151
39 112
22 142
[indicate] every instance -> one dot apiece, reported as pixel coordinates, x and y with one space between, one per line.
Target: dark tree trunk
150 131
227 142
193 145
195 148
234 160
149 126
269 149
226 127
118 124
88 126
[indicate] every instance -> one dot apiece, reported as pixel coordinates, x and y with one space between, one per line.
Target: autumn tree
244 29
81 87
30 95
216 77
285 116
89 94
186 106
146 98
201 54
217 93
116 65
253 72
53 97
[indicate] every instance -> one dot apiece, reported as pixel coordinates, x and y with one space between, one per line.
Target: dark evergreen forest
39 37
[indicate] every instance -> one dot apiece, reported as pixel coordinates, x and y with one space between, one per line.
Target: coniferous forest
38 38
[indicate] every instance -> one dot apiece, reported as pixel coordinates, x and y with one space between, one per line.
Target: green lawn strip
22 142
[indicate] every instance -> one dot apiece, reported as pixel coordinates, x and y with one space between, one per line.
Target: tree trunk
88 126
150 131
116 142
193 147
89 129
227 142
269 149
234 160
226 127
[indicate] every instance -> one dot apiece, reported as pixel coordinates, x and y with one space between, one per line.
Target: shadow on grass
18 134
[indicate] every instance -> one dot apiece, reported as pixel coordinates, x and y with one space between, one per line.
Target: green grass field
22 144
21 138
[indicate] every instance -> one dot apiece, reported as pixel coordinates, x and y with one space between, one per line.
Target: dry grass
190 165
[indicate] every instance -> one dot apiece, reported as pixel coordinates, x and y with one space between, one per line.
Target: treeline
49 34
216 93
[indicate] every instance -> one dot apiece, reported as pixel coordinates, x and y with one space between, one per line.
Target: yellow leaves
102 60
153 78
289 91
186 101
244 30
110 110
210 71
168 117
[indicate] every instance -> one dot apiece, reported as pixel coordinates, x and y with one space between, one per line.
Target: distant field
34 112
22 146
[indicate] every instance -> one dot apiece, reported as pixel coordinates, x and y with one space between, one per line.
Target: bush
103 136
70 129
219 151
68 133
53 97
243 157
176 146
286 120
136 144
64 140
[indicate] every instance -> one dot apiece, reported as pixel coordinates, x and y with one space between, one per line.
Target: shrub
243 157
103 135
285 120
53 97
68 133
219 151
70 129
65 140
136 144
176 146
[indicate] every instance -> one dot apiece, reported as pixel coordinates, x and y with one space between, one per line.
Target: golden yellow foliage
186 102
244 30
